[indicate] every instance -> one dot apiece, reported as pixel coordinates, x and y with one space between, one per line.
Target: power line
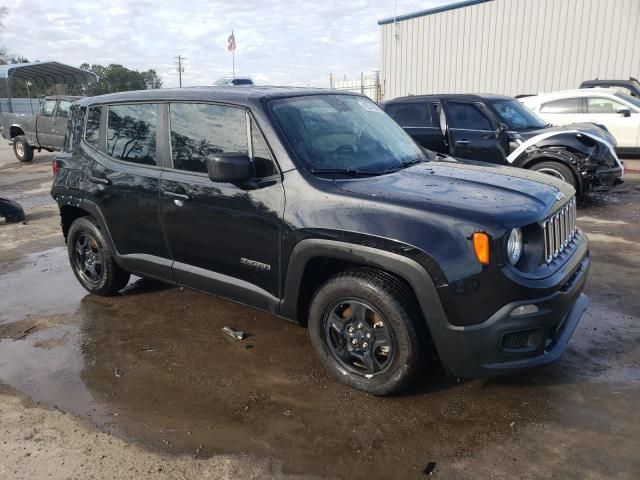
180 68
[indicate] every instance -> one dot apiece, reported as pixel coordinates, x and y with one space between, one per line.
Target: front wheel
361 324
92 260
558 170
22 150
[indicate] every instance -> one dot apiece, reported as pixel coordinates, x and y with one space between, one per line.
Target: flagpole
233 56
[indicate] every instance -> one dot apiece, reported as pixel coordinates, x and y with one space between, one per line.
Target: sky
278 42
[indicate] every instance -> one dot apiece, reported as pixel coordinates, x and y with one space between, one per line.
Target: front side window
516 115
262 160
467 116
63 108
131 133
343 132
199 130
92 127
47 107
566 105
410 114
603 105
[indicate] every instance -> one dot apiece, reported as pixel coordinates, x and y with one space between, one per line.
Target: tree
117 78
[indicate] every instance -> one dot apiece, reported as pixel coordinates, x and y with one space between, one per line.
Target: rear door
45 123
605 111
563 111
126 173
221 233
418 120
473 134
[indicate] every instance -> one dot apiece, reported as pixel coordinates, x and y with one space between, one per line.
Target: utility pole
180 68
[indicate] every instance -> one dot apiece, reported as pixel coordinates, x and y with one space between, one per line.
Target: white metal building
509 47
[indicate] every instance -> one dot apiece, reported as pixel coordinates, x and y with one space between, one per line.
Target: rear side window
566 105
467 116
92 127
411 114
131 133
199 130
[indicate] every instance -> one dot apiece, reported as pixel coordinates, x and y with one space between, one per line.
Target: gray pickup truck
45 130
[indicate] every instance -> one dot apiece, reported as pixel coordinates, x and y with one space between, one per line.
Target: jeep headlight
514 246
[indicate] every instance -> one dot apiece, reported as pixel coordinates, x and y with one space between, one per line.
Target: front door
625 129
472 134
221 234
45 121
59 123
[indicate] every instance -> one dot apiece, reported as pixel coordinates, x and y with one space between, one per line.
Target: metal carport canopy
46 73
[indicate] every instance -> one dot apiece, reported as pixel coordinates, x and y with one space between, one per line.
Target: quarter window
411 114
262 159
92 128
566 105
603 105
131 133
467 116
47 107
199 130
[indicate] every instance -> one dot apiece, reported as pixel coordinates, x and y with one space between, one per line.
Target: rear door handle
462 142
100 180
176 196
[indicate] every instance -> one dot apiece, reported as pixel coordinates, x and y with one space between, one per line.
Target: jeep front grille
559 230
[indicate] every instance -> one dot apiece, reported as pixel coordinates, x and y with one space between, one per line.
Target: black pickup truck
317 207
499 129
45 130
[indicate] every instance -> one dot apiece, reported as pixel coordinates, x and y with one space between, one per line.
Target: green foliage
117 78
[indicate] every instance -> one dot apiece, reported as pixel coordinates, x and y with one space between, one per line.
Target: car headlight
514 246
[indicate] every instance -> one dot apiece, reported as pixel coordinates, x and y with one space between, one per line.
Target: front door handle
176 196
100 180
462 143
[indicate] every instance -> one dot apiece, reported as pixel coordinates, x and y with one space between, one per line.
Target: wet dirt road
153 370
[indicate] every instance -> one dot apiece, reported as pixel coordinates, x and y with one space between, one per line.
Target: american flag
231 43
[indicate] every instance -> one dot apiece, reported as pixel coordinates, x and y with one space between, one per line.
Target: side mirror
503 128
625 112
229 168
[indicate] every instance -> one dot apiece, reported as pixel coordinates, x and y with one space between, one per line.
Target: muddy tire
22 150
558 170
91 259
361 324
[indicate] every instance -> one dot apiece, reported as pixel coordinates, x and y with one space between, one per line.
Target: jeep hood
471 190
589 128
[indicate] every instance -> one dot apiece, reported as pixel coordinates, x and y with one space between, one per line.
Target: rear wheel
361 324
22 150
558 170
92 260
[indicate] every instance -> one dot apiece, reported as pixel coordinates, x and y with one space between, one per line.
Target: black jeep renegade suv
317 207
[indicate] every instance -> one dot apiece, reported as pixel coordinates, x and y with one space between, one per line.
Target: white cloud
279 42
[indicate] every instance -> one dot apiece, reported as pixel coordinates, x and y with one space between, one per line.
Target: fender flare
18 126
561 156
411 271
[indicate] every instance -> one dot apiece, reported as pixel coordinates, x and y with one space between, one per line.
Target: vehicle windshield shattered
344 134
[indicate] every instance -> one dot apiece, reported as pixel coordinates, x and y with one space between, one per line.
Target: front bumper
486 349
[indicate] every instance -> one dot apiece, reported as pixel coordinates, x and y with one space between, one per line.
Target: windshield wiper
346 171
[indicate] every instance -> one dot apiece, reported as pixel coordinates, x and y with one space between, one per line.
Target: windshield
516 115
344 132
629 99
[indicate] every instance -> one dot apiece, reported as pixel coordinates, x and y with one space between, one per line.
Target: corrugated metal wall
511 47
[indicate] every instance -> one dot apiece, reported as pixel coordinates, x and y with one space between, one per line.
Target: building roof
431 11
223 93
47 73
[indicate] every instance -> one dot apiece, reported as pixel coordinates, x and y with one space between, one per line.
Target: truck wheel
22 150
361 324
92 260
557 170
